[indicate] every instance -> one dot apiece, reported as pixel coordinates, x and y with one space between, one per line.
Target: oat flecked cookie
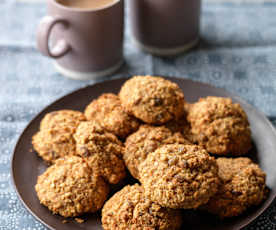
129 209
220 126
109 113
61 118
55 138
70 188
102 150
242 185
146 140
154 100
179 176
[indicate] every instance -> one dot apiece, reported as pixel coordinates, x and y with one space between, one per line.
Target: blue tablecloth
237 52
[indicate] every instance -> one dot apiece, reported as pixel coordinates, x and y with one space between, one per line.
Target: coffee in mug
86 4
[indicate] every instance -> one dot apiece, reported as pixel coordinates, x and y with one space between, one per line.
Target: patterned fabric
237 52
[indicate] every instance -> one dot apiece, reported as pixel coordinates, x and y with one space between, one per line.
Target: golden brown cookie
53 143
220 126
129 209
154 100
242 184
61 118
179 176
109 113
146 140
69 188
55 138
102 150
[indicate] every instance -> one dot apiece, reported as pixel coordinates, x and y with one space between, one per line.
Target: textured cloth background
237 52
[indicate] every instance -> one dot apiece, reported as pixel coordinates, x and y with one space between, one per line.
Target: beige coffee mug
88 42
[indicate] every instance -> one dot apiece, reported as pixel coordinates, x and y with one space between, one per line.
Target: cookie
54 143
179 176
109 113
55 138
102 150
146 140
129 209
61 118
220 126
242 184
69 188
154 100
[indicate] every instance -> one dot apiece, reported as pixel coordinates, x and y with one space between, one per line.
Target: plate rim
204 84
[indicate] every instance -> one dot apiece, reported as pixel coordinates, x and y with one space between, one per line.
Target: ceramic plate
26 165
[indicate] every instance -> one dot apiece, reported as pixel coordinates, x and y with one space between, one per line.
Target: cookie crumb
79 220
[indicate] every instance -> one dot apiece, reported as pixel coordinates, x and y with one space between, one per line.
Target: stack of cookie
167 144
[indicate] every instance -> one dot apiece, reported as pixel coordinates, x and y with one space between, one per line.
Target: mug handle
43 34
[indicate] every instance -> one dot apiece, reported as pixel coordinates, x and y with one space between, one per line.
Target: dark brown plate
26 165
